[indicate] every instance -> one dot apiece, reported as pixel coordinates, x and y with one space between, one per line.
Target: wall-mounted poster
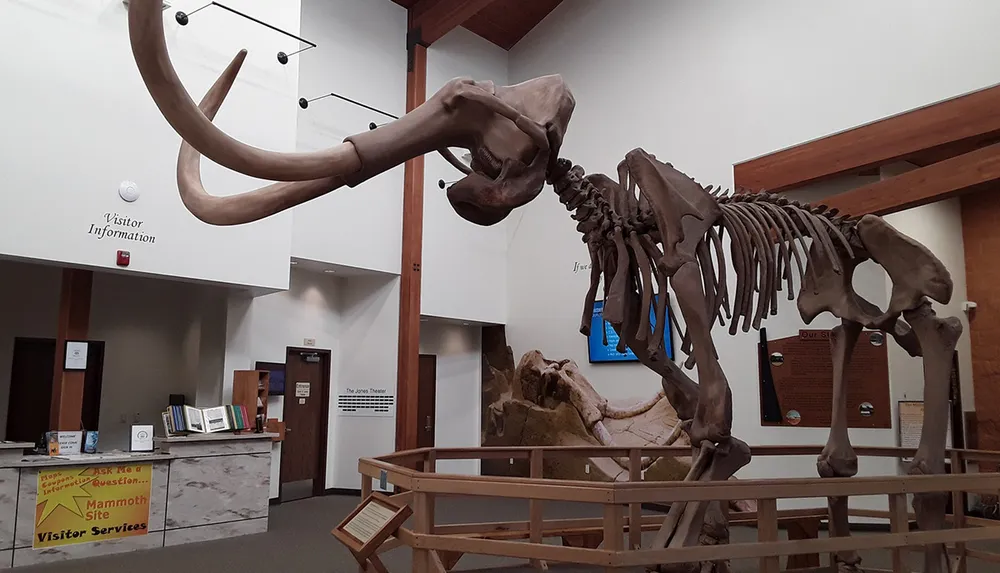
277 379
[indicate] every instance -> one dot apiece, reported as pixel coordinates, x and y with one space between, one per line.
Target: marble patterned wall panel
28 556
216 531
8 507
218 447
218 489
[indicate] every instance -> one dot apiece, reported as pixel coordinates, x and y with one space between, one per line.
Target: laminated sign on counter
83 504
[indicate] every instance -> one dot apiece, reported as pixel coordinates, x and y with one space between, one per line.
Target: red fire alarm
123 258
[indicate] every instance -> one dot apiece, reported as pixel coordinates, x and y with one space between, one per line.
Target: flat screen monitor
277 378
598 352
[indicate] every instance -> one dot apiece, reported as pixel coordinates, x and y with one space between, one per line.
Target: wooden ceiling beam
891 139
962 174
435 18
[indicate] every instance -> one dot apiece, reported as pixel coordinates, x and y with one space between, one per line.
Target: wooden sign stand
375 519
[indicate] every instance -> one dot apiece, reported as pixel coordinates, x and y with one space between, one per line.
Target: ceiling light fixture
329 271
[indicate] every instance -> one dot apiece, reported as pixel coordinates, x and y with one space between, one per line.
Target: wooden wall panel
962 174
945 123
981 236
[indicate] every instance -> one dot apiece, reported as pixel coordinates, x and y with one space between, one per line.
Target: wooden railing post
366 490
767 530
899 522
958 508
634 509
429 467
614 524
423 522
535 516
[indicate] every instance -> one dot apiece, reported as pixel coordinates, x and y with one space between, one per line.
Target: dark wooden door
301 452
30 399
426 391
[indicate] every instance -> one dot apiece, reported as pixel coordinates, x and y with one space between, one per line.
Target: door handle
428 426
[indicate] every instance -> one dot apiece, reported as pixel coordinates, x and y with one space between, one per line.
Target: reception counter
191 489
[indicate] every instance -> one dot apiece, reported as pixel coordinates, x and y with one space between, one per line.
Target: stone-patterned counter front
201 488
218 488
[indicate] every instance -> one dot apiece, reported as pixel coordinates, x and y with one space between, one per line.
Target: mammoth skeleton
651 227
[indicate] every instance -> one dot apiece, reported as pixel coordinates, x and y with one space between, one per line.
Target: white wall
161 337
260 329
369 344
704 86
458 404
29 307
356 319
361 55
85 122
464 266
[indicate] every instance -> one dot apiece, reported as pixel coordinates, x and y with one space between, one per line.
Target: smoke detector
128 191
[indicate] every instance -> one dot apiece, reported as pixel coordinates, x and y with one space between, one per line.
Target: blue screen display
601 353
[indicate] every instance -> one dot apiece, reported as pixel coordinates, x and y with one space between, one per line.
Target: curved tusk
149 48
450 158
616 413
245 207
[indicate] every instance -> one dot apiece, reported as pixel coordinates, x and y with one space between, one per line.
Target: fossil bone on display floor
543 402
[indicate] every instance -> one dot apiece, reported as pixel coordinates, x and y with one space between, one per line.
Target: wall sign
798 382
118 226
76 355
91 503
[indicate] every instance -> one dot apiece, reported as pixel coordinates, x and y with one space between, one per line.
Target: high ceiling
503 22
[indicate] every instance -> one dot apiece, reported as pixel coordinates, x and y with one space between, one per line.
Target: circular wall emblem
866 409
877 339
793 417
777 359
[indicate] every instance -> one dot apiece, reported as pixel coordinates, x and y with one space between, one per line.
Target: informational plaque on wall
796 378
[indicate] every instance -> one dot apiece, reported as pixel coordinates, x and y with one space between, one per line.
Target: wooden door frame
326 360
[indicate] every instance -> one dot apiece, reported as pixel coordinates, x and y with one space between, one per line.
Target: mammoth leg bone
701 461
727 459
838 458
917 275
713 418
937 337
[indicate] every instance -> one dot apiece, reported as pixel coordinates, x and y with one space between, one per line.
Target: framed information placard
911 425
375 519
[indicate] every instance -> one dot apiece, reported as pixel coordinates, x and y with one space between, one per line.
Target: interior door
426 392
301 451
30 389
30 399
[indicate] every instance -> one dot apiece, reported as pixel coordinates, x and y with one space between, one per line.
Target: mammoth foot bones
694 523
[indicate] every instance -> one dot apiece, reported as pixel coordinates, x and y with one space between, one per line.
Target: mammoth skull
513 134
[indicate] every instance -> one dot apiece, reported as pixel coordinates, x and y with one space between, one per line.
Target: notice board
796 381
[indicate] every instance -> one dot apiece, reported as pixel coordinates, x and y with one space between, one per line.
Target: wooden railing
615 539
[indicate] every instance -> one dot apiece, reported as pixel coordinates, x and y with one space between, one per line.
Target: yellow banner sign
82 504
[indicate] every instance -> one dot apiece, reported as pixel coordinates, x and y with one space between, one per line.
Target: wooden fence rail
615 539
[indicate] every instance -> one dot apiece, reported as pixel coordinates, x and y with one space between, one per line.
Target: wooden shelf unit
249 388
